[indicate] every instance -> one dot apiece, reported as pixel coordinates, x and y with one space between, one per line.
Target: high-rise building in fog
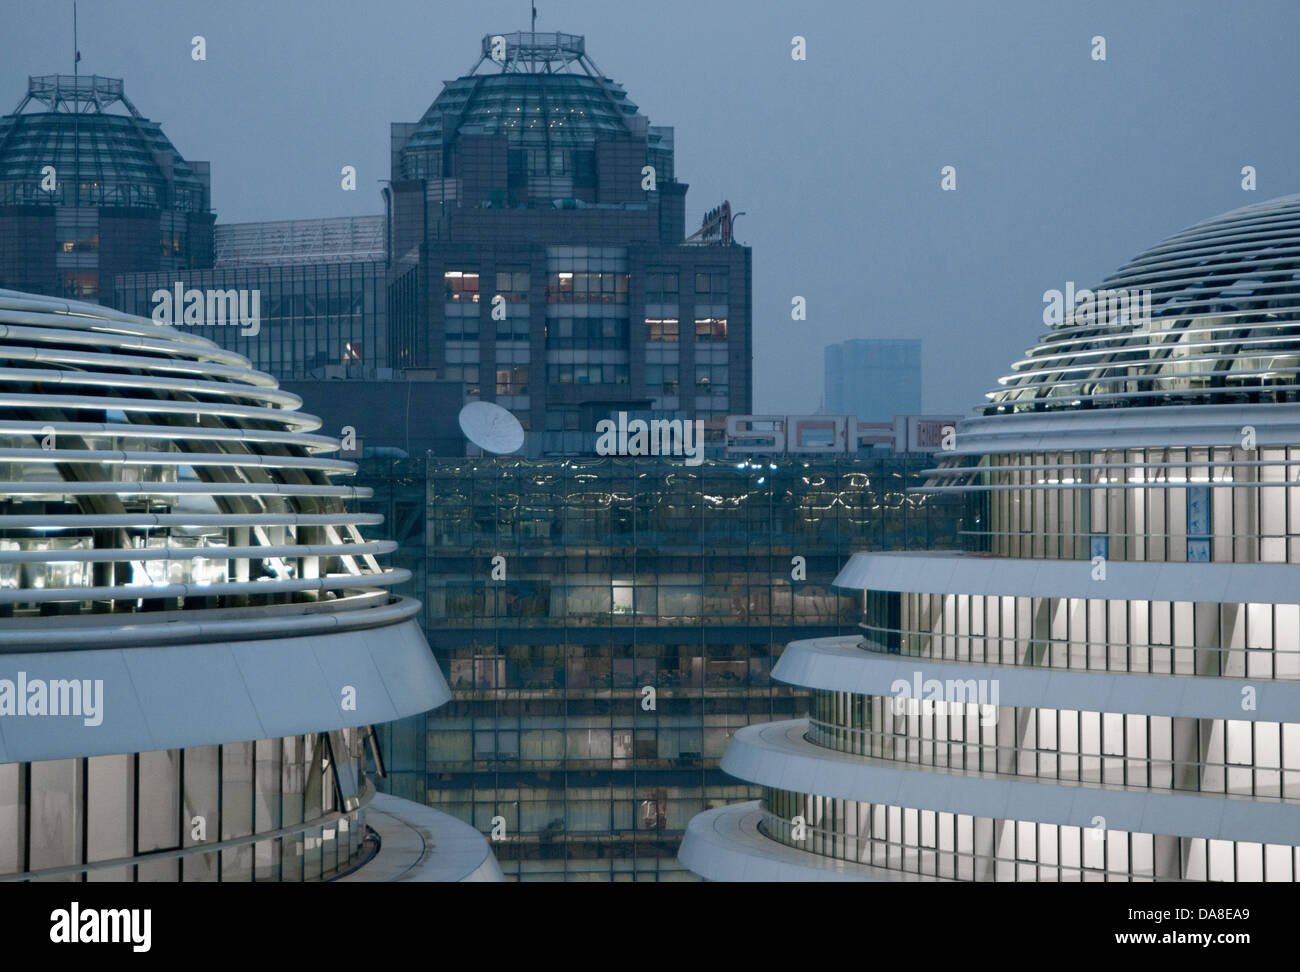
873 379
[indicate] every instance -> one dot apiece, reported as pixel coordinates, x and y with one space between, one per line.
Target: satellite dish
491 428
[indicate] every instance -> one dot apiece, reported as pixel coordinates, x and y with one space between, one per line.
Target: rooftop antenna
534 6
76 120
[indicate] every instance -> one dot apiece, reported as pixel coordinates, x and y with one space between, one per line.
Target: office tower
196 638
1104 685
90 188
538 219
873 379
534 254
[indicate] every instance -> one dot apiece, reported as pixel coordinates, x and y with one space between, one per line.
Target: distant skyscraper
874 379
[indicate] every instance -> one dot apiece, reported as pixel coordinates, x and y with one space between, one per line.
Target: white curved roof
1223 326
725 844
838 664
148 474
169 696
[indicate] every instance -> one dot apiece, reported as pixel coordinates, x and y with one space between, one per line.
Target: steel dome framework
1224 296
101 157
544 94
150 474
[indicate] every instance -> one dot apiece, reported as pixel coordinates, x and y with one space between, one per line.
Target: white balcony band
777 756
725 844
840 665
948 573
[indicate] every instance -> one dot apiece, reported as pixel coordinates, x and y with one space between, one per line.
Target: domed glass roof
567 109
545 93
117 158
1209 316
146 470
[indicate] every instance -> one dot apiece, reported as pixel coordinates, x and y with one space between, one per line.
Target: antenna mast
76 114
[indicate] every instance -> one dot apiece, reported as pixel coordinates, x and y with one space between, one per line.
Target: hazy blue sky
1066 167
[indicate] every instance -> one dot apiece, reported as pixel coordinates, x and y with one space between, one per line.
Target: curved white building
195 634
1105 684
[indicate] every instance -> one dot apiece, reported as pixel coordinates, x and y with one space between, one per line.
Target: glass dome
542 91
1209 316
146 471
110 158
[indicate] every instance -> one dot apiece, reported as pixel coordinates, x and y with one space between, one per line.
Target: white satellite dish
491 428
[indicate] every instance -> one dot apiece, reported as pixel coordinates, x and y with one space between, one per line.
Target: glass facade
1234 756
601 666
282 809
1200 504
1089 634
969 847
316 321
552 128
104 160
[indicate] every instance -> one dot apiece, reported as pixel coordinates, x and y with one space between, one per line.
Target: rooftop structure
101 157
292 242
545 94
90 188
540 255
